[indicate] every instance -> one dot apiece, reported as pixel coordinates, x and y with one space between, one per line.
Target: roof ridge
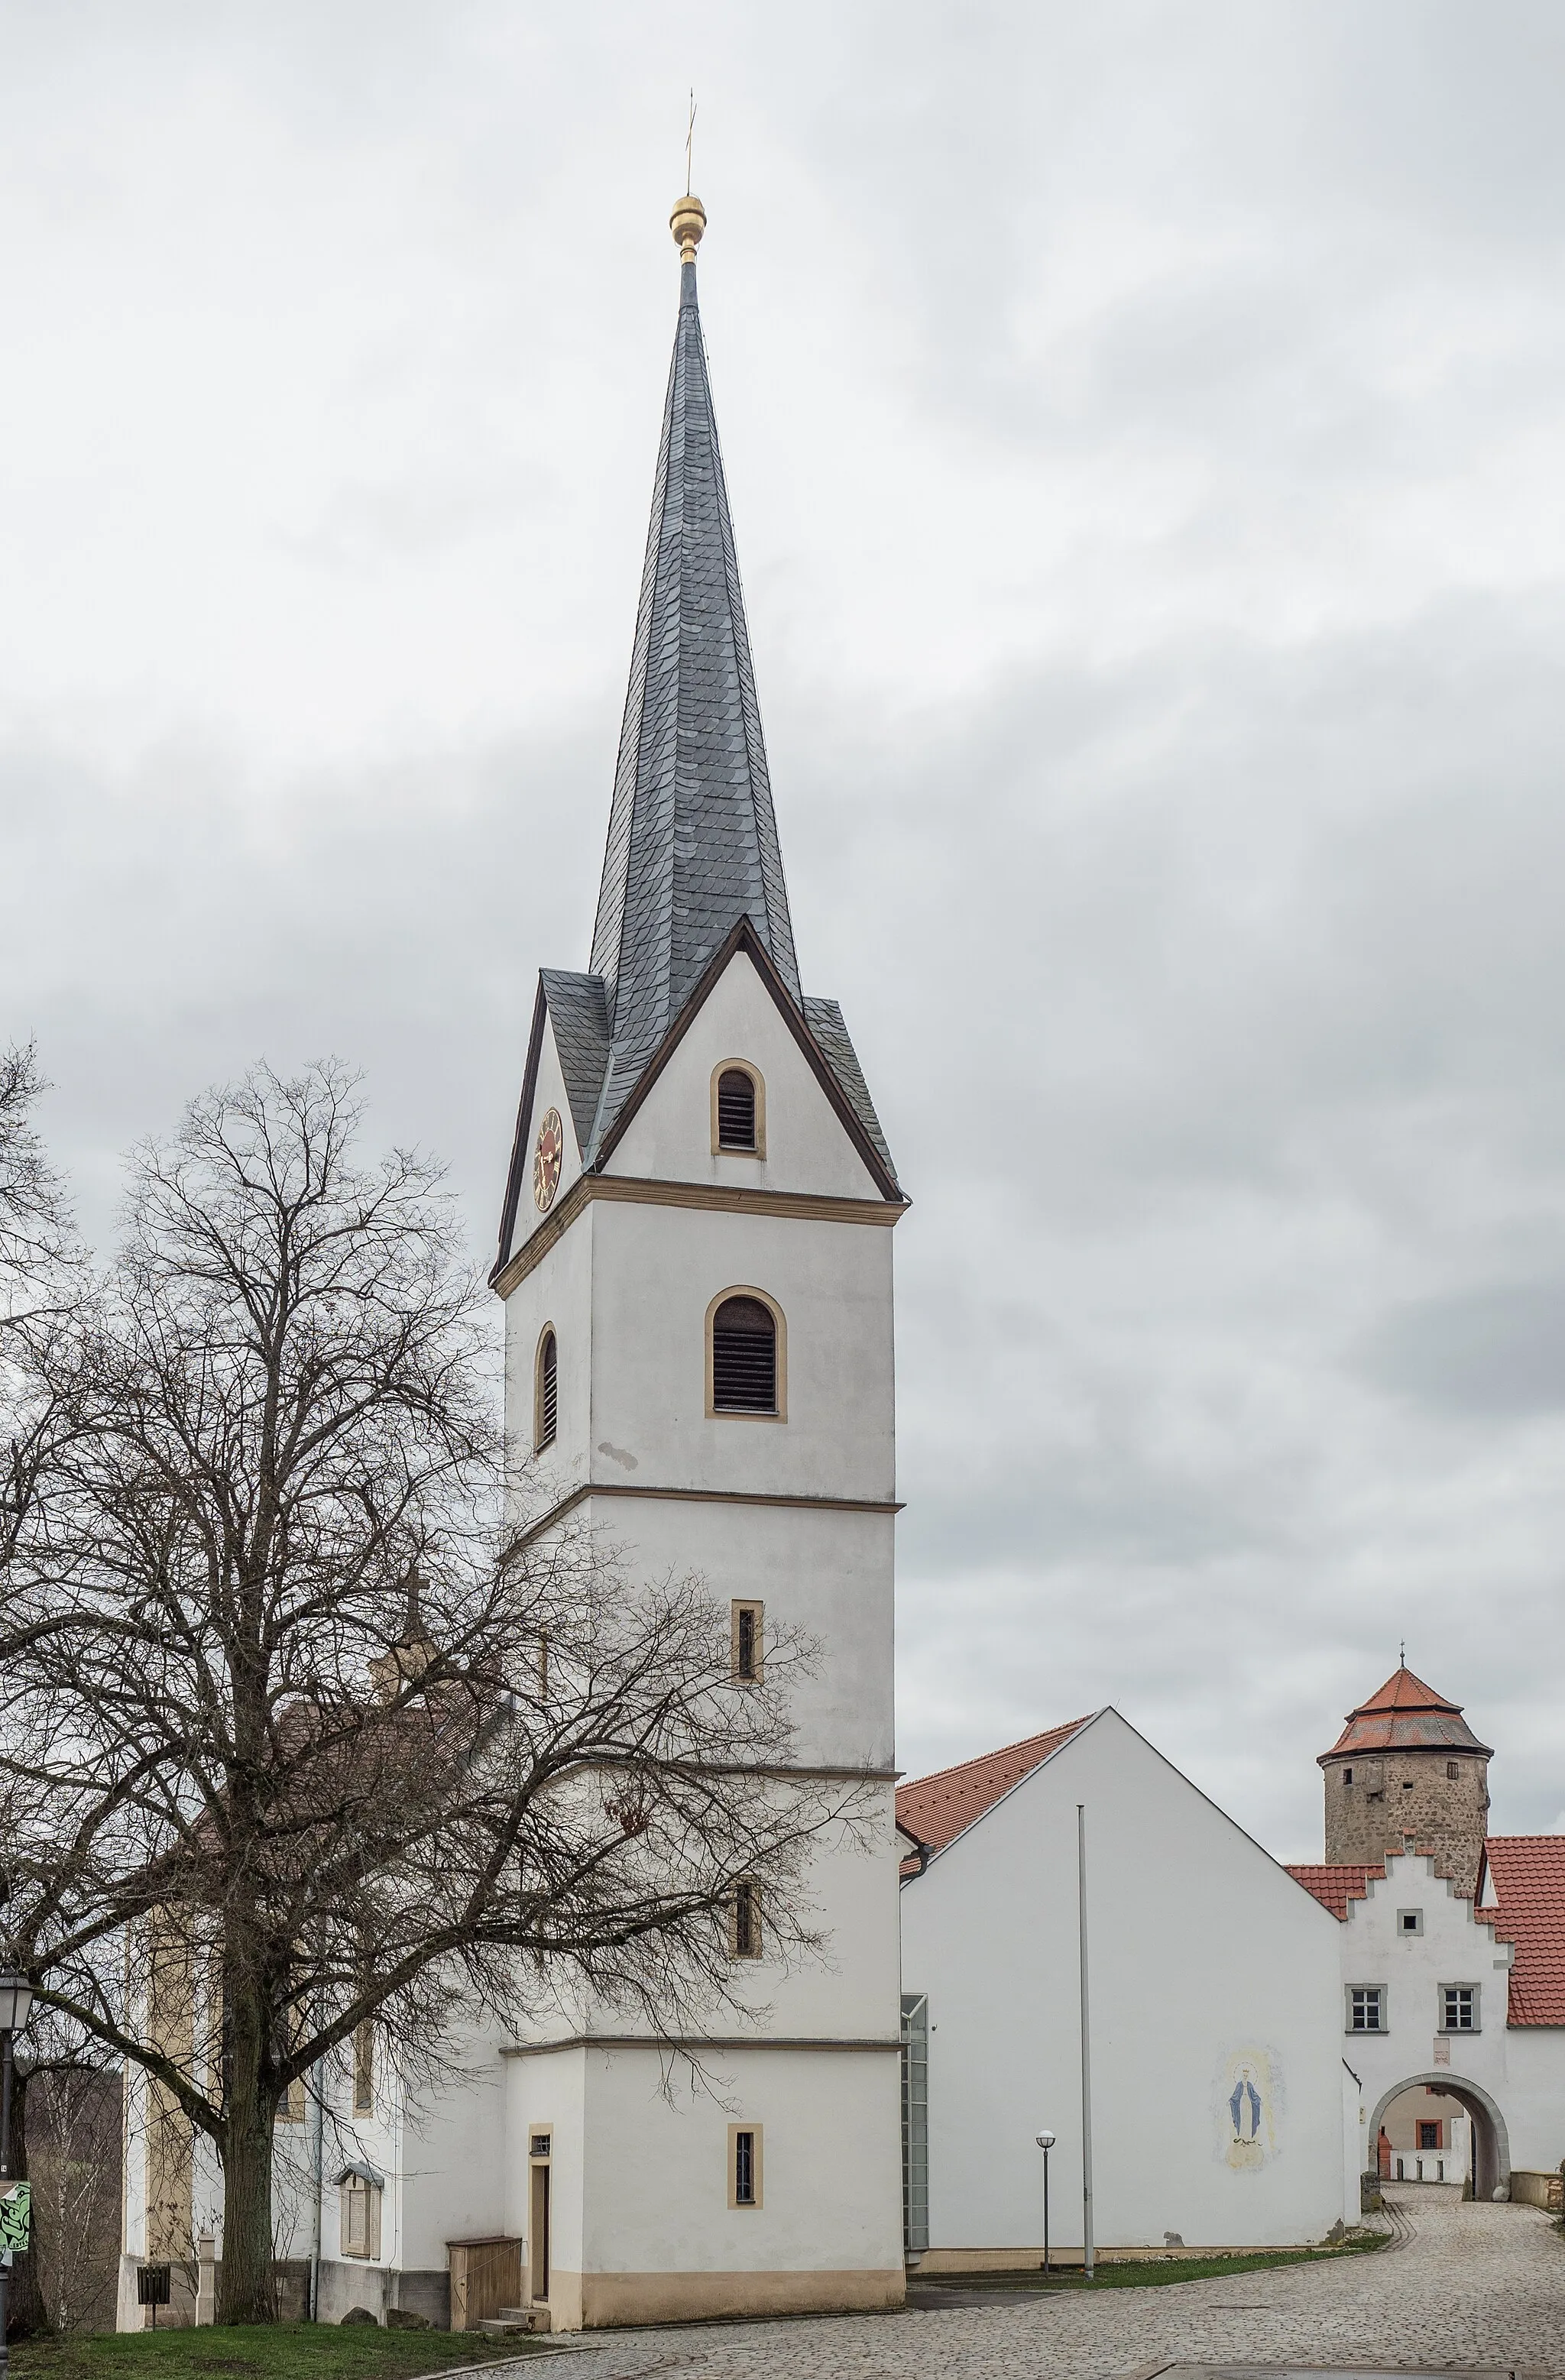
982 1759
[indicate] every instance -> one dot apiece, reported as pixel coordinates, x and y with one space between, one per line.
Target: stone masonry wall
1398 1793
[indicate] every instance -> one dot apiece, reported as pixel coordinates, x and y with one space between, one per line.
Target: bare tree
286 1710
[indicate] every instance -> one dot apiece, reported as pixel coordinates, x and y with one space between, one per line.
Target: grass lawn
283 2350
1153 2272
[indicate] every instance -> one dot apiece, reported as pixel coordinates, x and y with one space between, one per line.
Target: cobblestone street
1463 2286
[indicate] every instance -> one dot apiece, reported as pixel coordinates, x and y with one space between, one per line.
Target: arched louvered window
736 1109
745 1374
546 1400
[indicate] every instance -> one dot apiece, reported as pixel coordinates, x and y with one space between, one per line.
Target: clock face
546 1156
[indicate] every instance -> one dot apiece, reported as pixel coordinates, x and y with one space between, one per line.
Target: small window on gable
744 1371
1410 1921
546 1391
738 1111
747 1645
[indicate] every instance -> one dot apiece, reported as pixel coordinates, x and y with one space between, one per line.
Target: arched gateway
1491 2142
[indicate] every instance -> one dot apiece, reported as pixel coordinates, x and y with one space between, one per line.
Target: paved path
1475 2287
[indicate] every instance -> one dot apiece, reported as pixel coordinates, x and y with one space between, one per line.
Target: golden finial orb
687 223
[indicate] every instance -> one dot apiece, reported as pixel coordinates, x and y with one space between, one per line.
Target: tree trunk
247 2291
24 2311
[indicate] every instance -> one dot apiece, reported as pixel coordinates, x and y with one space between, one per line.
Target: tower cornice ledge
589 1488
722 1197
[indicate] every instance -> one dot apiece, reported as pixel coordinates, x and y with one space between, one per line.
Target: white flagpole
1088 2256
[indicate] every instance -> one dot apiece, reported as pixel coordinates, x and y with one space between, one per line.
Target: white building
1453 2002
1217 2075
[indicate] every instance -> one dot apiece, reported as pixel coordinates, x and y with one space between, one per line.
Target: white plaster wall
658 2196
452 2157
1535 2103
656 1270
828 1574
557 1291
1201 1948
546 2092
670 1137
847 1989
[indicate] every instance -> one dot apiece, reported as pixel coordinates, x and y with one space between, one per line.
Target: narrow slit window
745 1918
548 1391
744 1357
747 1642
364 2068
744 2168
735 1108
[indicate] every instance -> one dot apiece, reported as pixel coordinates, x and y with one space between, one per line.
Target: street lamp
16 2007
1046 2142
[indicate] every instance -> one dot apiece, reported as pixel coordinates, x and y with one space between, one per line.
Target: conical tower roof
1405 1715
692 844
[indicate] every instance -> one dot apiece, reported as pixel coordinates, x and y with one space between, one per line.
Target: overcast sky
1144 431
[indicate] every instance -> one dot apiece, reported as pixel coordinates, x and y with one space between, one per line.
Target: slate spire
692 833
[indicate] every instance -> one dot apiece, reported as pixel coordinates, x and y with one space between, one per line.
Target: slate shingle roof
1528 1874
938 1808
1406 1715
579 1011
825 1021
692 833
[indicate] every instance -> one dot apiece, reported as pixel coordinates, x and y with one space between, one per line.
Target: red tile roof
1528 1874
938 1808
1406 1715
1335 1887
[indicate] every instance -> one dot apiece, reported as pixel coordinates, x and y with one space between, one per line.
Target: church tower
1407 1764
695 1260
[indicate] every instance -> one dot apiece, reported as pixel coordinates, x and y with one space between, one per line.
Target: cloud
1496 1352
1144 435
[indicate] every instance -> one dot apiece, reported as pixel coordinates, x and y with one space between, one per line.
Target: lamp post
1046 2142
16 2007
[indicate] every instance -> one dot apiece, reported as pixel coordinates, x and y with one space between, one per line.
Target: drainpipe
317 2162
1087 2252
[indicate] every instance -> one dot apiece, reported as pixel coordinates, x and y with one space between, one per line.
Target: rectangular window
744 1928
747 1642
359 2203
1410 1921
1430 2135
1459 2008
744 2164
1367 2009
364 2068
